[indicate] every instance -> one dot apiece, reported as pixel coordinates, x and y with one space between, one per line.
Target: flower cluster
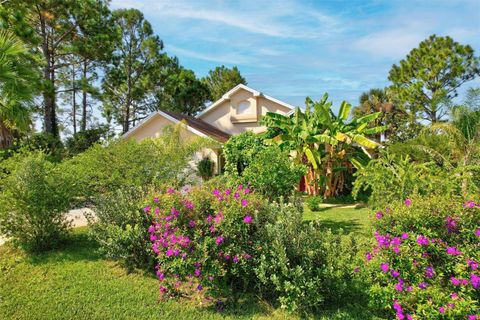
425 260
200 238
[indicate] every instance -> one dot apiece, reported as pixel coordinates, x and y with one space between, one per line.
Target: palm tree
327 143
16 87
379 100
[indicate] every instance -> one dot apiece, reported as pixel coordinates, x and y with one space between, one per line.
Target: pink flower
399 286
155 200
235 259
356 270
219 240
455 281
472 264
384 267
188 204
441 310
404 235
368 256
163 289
408 202
472 317
454 296
197 272
477 232
244 202
169 253
146 209
422 285
228 191
453 251
247 219
475 281
379 215
170 190
240 187
395 273
151 229
422 240
236 195
192 224
246 191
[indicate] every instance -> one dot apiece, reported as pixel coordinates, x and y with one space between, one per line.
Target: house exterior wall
226 118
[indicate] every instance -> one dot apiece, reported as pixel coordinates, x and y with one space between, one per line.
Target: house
239 110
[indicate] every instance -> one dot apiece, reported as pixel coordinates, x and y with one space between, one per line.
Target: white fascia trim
174 120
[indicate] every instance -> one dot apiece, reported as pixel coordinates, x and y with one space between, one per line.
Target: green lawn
350 220
76 283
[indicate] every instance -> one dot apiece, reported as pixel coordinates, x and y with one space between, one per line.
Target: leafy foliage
240 150
33 201
83 140
205 168
222 79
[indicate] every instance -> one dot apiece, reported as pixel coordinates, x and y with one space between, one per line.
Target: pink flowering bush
424 263
202 239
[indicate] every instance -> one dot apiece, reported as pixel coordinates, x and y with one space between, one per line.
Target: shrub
424 263
272 173
127 163
83 140
392 177
119 228
205 168
314 202
213 243
240 151
33 201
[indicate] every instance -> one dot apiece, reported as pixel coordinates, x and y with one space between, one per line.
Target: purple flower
197 273
472 264
163 289
219 217
219 240
441 310
394 273
422 285
453 251
356 270
169 253
160 275
210 278
155 200
216 193
153 237
244 202
368 256
235 259
192 224
240 187
384 267
451 224
246 191
146 209
404 235
174 212
429 272
397 307
408 202
188 204
475 281
379 214
455 281
472 317
151 229
469 204
170 190
236 195
454 296
247 219
422 240
199 287
228 191
399 285
477 232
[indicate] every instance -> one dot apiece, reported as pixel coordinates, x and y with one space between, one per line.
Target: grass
338 217
76 283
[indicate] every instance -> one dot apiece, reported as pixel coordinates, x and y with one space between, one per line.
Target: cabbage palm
16 87
327 143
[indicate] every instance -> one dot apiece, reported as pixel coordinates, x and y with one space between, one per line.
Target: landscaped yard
349 218
77 283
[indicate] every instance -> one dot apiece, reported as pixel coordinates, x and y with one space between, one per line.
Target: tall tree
431 74
221 79
17 86
132 77
185 93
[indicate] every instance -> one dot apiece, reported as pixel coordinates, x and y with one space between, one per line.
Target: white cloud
230 58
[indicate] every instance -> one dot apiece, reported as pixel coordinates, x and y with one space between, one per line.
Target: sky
293 49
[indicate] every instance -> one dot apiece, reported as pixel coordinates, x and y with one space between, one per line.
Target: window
243 107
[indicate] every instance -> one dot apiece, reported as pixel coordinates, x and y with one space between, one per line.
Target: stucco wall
220 116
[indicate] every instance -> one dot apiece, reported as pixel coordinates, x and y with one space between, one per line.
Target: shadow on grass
77 247
347 226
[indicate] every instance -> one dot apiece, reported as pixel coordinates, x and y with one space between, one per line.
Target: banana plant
328 144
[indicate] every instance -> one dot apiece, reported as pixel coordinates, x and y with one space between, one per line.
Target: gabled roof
255 93
194 125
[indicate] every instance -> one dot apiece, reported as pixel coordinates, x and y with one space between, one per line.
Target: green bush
221 241
272 173
240 151
119 228
83 140
205 168
424 260
127 163
33 201
392 177
314 202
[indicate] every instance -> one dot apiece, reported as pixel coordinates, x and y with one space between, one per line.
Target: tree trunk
6 137
83 125
74 103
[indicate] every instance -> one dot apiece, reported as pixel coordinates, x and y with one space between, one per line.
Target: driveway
77 216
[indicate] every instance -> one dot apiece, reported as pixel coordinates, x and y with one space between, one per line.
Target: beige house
239 110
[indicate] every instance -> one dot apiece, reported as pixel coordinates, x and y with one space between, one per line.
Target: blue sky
293 49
